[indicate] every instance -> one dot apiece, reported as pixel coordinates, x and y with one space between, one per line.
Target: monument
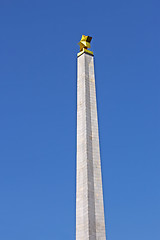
90 222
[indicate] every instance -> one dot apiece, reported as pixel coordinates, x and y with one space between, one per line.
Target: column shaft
90 224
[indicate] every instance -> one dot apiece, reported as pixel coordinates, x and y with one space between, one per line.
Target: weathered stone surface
90 223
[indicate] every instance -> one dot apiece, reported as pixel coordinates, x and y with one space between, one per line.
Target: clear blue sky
38 47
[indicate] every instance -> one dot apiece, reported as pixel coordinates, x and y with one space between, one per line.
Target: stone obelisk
90 223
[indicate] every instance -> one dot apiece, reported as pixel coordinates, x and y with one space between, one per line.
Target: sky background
38 47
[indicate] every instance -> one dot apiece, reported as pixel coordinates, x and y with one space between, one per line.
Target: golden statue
85 44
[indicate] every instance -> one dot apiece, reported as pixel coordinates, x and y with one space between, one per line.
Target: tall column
90 223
